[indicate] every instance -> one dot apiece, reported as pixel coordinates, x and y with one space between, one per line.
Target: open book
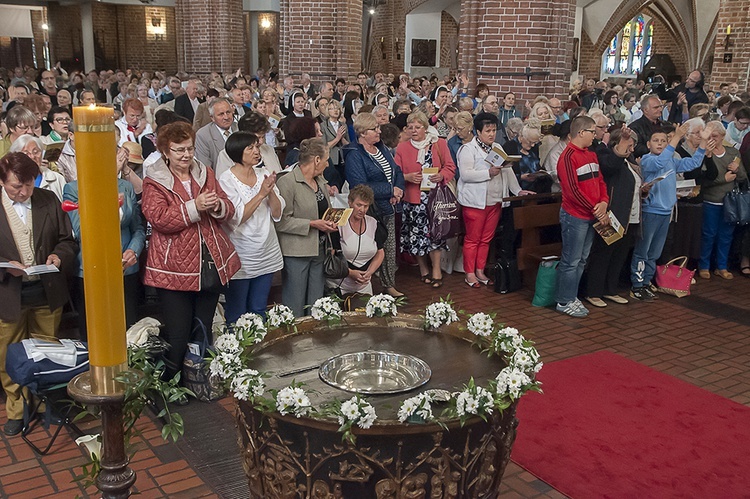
612 232
340 216
498 157
658 179
33 270
428 184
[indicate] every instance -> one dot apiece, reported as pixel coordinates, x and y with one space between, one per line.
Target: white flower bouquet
473 400
247 384
293 400
419 406
280 315
355 411
512 382
381 305
326 309
481 324
439 313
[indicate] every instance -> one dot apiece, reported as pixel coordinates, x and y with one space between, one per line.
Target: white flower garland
326 309
439 313
419 405
357 411
280 315
480 324
293 400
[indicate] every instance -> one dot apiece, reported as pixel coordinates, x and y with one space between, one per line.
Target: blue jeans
247 295
715 233
648 249
577 236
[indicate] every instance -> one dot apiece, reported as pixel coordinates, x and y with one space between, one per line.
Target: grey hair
213 103
515 125
23 140
694 123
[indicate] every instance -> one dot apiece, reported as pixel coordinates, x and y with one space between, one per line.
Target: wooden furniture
289 457
532 215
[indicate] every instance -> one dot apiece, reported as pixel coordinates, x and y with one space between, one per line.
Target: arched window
629 49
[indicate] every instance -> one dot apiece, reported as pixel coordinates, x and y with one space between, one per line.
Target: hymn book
32 270
340 216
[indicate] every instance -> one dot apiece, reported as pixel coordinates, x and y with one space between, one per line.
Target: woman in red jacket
190 257
424 150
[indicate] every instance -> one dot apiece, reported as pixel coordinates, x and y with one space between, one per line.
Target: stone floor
703 339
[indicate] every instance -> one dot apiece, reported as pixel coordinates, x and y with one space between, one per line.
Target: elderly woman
335 134
45 179
513 128
32 305
541 111
302 230
132 125
20 121
424 150
463 124
529 170
716 234
149 105
132 239
190 257
370 162
362 244
481 189
252 190
624 183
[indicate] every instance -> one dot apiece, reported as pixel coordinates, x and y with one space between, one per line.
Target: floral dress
415 224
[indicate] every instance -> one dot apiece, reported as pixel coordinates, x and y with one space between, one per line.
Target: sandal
426 279
472 284
437 283
745 271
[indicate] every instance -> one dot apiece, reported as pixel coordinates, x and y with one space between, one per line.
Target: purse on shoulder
335 265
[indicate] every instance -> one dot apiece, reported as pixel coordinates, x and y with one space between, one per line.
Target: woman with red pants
481 189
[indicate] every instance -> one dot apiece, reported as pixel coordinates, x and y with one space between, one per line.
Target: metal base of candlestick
115 477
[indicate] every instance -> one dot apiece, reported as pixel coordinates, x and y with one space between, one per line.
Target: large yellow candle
96 161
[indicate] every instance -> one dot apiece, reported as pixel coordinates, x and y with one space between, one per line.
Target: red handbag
674 279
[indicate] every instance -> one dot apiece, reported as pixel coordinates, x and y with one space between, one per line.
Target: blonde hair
419 117
716 126
364 122
463 118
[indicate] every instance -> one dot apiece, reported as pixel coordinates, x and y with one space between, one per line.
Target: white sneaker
572 309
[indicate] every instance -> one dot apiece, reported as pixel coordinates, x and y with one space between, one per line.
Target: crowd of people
226 181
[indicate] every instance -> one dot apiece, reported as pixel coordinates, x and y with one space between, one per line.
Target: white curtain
15 22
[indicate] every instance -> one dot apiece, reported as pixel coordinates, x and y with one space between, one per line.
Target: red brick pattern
733 13
448 30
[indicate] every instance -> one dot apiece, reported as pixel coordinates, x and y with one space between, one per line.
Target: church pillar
732 50
523 46
210 36
323 38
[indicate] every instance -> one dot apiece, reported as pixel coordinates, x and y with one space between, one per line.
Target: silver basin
375 372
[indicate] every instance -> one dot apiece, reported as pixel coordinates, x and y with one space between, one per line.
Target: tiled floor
703 339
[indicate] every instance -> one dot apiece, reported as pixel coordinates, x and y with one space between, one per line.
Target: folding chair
36 365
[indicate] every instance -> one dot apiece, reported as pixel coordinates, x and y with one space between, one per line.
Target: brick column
323 38
507 36
210 35
732 13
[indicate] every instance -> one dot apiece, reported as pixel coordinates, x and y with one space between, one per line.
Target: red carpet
609 427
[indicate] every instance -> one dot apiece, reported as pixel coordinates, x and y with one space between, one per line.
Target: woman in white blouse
252 190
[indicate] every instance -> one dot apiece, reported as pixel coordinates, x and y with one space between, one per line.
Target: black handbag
210 280
737 206
335 265
196 375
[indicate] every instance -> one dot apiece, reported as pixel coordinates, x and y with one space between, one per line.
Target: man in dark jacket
648 123
684 96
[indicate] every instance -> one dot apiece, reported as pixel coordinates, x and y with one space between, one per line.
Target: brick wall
448 32
210 37
508 36
664 42
123 36
335 38
590 58
733 13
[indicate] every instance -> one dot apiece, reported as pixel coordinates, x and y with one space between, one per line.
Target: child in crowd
659 168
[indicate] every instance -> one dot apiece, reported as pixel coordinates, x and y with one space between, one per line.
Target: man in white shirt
210 140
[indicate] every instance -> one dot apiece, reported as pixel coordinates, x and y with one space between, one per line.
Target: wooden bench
531 215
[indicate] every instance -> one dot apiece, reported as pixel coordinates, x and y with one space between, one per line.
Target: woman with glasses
628 103
190 257
370 162
20 121
529 172
463 125
424 150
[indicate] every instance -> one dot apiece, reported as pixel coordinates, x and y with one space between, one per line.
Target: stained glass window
629 49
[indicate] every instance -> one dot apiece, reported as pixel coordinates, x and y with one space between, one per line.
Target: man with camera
683 96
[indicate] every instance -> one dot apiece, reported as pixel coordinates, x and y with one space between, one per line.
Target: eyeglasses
63 120
743 123
25 127
589 130
376 129
602 127
182 150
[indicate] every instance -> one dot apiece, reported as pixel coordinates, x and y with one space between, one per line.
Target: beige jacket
296 237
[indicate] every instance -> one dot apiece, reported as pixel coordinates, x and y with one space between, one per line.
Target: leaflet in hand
428 184
498 157
658 179
612 232
340 216
33 270
274 121
687 188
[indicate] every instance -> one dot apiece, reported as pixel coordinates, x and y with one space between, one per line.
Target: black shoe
653 290
13 427
641 294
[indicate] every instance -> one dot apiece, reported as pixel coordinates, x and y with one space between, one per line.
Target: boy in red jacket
584 201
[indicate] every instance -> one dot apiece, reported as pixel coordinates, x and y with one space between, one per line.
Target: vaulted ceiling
692 22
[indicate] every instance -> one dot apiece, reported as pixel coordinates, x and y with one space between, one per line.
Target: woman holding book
426 162
302 230
481 189
624 188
